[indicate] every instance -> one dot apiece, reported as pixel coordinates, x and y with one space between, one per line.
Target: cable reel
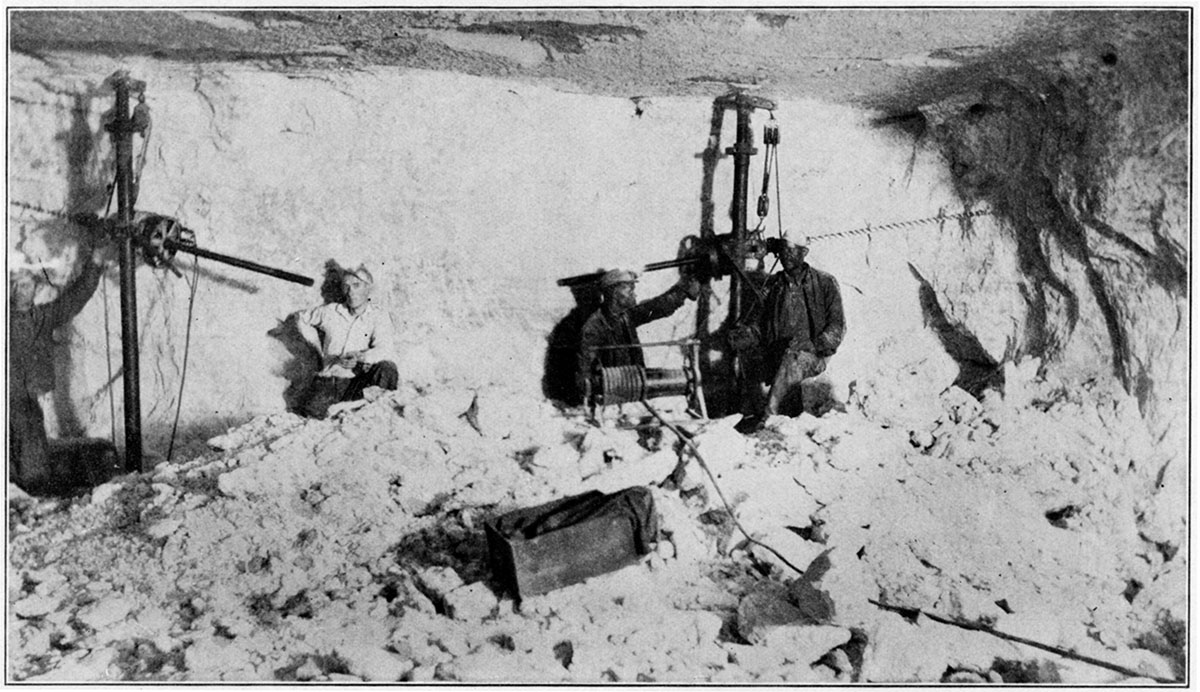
623 384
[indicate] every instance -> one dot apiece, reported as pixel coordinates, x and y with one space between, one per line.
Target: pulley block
160 237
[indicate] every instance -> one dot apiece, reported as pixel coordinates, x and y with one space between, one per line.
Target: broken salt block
815 603
806 643
105 613
375 664
708 626
91 666
921 439
102 493
624 474
164 528
897 652
35 606
794 549
765 607
802 425
755 660
48 580
722 446
471 603
961 406
438 581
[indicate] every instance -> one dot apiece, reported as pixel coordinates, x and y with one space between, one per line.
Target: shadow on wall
1041 142
977 371
562 348
86 192
302 363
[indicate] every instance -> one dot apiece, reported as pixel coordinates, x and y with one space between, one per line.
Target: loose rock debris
352 549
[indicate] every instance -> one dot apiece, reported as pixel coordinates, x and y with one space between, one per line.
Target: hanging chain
40 210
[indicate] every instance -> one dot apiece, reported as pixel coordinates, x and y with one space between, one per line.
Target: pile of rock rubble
352 548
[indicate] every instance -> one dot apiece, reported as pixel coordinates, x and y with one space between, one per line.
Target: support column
122 135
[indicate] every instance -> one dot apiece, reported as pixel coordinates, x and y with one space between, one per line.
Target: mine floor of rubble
352 548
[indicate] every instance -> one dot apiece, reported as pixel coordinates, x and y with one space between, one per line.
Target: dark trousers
28 455
327 391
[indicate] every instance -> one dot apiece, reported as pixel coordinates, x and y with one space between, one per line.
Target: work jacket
603 331
802 311
31 345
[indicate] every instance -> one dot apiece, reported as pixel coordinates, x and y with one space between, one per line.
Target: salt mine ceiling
864 56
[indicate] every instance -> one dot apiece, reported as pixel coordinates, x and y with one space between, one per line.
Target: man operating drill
799 325
610 334
354 341
31 349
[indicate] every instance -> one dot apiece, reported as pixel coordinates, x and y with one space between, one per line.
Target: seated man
799 326
353 340
615 322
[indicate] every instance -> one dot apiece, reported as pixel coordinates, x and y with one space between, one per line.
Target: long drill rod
236 262
1057 650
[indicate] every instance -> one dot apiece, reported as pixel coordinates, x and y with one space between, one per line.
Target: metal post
742 150
122 136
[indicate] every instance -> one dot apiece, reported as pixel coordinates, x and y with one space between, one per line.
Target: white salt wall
471 196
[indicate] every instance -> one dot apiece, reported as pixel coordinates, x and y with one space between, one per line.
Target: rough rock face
1085 154
471 200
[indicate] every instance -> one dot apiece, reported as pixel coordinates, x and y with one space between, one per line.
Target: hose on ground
691 446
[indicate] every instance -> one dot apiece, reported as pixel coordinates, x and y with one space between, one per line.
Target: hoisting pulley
770 140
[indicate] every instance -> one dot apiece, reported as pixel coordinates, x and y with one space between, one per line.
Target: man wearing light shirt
354 341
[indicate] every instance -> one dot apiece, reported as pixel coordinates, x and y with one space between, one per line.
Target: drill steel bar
122 135
236 262
1058 650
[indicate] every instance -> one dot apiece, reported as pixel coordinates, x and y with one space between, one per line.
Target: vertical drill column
742 150
122 135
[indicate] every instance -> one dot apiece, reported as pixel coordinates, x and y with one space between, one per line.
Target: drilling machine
708 257
154 238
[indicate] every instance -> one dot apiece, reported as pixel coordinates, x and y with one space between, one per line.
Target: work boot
750 424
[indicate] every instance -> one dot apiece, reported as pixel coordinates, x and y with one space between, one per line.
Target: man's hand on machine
742 338
690 286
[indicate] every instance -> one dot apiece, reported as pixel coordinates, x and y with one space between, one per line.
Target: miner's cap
362 273
612 277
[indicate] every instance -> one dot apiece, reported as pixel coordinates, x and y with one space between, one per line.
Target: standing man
353 339
800 325
616 321
31 367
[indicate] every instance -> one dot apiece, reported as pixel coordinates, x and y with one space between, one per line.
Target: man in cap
353 340
610 334
799 325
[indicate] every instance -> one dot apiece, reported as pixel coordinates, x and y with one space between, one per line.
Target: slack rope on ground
696 453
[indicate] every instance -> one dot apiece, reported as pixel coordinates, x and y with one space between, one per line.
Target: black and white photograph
602 345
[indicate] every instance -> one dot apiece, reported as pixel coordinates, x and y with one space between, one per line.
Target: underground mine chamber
986 481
